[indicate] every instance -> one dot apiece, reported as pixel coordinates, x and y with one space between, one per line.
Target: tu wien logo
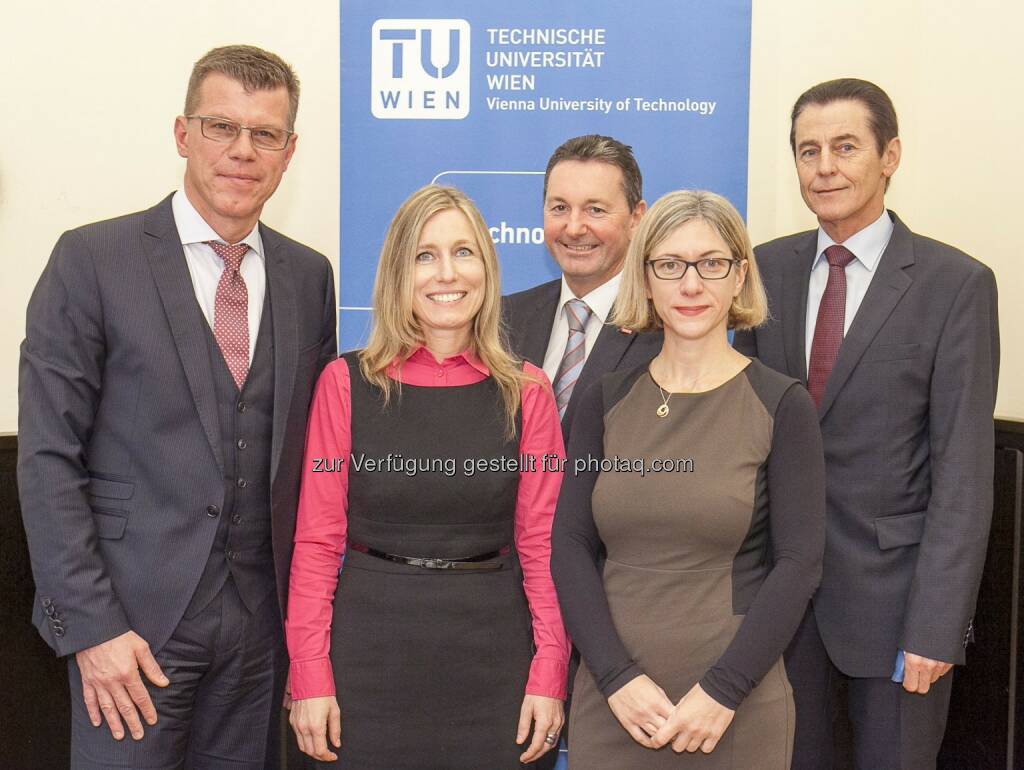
419 69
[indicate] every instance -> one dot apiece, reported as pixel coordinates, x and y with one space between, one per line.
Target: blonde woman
426 469
701 477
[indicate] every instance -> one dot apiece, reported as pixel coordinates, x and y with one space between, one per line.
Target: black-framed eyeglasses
223 130
709 268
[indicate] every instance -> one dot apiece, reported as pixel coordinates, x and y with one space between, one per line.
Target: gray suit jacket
529 316
119 447
906 421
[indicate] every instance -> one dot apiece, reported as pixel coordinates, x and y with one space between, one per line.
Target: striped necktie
578 313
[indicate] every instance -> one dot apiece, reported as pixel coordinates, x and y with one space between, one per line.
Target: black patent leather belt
484 561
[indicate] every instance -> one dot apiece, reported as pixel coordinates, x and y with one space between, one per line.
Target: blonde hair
633 310
396 332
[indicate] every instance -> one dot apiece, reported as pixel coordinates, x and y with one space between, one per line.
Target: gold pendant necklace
662 410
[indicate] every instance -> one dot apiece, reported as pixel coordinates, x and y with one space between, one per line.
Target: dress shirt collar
600 300
192 228
866 245
422 361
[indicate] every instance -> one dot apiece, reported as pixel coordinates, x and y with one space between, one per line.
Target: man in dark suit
593 202
167 369
896 336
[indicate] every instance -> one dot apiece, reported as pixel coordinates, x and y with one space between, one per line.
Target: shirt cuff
547 678
311 678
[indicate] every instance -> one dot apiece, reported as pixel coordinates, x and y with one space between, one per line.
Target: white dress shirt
600 301
866 246
206 267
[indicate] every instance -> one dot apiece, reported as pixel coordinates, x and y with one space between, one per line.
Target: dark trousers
221 709
892 729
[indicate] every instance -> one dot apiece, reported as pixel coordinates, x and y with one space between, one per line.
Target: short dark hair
603 149
881 113
254 68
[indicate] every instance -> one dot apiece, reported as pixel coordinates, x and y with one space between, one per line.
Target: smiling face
691 308
841 170
587 222
449 281
228 183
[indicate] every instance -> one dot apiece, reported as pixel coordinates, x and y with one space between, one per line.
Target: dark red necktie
828 330
231 311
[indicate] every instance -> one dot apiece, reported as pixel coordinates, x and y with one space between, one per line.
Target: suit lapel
795 279
286 336
536 327
608 350
884 292
173 282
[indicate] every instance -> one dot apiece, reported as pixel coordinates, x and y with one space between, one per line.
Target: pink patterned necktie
828 329
231 311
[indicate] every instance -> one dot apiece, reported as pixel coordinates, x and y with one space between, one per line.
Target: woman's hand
547 716
313 720
641 708
697 722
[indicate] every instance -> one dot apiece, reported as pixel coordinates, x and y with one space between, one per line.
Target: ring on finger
550 739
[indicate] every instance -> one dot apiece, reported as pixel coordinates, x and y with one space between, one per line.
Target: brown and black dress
686 547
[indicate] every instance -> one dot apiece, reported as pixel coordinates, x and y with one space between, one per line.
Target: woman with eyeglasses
688 544
432 466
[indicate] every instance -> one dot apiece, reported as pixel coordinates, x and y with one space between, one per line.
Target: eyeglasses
223 130
710 268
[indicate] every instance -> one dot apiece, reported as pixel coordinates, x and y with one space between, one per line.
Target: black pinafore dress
430 665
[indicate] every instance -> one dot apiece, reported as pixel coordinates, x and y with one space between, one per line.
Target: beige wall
953 70
64 161
90 92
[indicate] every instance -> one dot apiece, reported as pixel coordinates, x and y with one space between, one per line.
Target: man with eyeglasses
896 336
168 365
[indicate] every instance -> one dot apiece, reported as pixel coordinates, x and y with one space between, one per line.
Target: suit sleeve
576 550
745 342
796 519
962 447
59 387
329 349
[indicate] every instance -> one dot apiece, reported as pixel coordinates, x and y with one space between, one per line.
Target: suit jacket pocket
892 352
114 490
110 523
897 531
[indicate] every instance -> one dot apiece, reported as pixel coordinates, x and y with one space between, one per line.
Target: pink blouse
323 505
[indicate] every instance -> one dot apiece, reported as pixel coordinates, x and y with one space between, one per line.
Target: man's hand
314 720
547 716
920 673
697 723
641 708
111 684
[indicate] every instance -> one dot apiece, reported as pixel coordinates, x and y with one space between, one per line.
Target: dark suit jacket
906 420
119 447
529 316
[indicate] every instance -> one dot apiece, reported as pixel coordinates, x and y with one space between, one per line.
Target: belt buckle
437 563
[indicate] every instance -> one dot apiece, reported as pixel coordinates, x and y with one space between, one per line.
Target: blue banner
478 95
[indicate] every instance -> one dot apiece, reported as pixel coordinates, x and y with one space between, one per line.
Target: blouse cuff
727 696
627 675
547 678
311 678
